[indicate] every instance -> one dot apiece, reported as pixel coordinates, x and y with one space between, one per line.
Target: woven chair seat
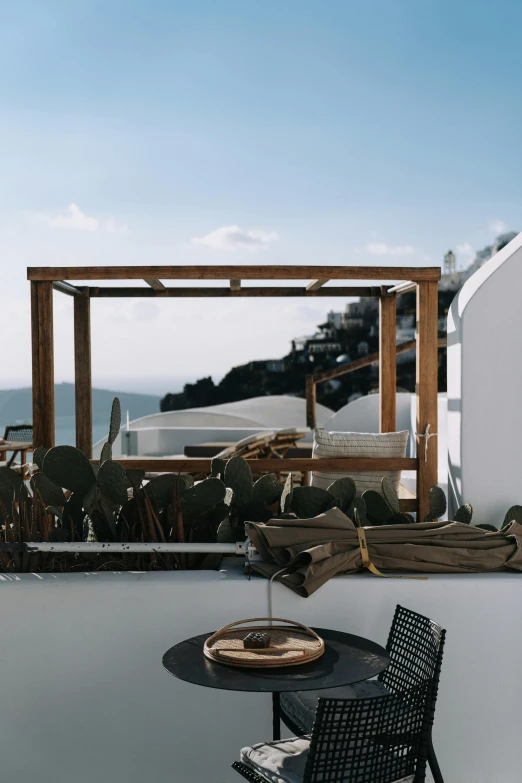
301 706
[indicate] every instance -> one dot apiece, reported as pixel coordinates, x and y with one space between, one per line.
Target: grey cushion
284 761
300 706
279 762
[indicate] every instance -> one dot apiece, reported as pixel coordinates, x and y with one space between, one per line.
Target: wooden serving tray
292 644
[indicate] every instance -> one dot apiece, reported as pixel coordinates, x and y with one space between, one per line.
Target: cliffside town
343 337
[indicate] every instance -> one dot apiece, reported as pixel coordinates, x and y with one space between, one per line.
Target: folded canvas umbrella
313 550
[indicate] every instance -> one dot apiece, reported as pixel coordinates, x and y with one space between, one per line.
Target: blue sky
382 131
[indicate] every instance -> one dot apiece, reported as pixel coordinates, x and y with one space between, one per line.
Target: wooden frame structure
423 279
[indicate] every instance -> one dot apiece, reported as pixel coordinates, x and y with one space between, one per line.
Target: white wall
85 697
485 387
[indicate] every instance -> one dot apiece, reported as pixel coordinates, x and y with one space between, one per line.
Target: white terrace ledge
86 698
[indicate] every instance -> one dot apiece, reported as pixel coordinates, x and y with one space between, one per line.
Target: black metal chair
19 432
415 646
374 740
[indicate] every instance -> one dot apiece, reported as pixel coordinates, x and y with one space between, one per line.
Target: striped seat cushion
284 761
359 444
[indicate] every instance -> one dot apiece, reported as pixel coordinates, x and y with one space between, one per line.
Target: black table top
346 659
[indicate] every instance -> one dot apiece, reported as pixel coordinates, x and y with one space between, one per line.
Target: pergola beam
66 288
315 285
222 292
264 272
155 284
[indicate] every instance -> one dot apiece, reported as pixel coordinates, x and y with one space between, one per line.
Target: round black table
346 659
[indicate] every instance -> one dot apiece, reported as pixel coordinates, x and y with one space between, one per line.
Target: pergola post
43 363
311 394
387 363
82 373
426 387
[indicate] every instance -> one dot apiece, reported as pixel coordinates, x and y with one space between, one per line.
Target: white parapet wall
485 388
85 697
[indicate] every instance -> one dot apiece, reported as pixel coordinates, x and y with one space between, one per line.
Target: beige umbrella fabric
314 550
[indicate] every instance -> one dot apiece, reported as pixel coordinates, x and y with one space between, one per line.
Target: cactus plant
464 514
218 467
514 514
115 422
207 493
51 494
161 488
378 510
238 477
112 482
106 453
389 493
438 504
267 489
310 501
10 484
69 468
38 456
344 492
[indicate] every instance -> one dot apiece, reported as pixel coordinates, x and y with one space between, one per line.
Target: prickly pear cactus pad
112 481
51 494
267 489
438 502
115 423
464 514
208 493
238 477
378 510
106 453
344 491
68 467
309 502
10 483
390 495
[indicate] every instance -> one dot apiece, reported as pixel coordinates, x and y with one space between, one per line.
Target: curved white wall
485 387
251 415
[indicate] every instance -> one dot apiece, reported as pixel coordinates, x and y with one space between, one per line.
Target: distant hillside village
343 337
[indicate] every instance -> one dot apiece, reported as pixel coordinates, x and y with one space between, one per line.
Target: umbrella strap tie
367 563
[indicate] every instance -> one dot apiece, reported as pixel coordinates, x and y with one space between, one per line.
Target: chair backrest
19 432
376 740
414 645
383 739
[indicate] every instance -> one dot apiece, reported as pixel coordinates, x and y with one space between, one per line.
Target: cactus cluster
71 500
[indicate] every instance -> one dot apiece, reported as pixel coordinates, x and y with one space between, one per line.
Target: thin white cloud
383 249
498 227
466 252
235 238
73 218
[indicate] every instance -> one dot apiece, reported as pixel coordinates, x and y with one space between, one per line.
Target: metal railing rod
95 547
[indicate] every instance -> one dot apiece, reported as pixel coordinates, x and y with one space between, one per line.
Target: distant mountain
16 405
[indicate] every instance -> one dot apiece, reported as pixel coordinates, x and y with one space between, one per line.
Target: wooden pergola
312 280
